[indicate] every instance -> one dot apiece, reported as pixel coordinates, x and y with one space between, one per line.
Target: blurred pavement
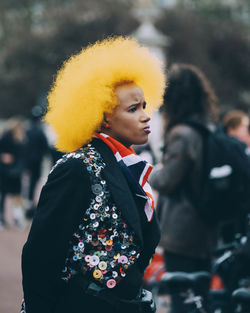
11 243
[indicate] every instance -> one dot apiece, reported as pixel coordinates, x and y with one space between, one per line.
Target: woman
95 230
187 241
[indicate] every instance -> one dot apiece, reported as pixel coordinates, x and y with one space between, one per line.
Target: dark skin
128 123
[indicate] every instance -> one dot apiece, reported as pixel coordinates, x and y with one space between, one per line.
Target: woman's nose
146 117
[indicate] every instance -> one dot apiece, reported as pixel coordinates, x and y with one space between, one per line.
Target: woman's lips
147 130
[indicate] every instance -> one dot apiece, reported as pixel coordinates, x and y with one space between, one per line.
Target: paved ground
11 242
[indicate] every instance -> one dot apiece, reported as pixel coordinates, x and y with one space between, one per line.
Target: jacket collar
119 187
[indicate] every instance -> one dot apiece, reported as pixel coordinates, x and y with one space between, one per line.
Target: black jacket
63 201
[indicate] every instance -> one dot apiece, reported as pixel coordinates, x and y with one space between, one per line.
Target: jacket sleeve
63 201
177 161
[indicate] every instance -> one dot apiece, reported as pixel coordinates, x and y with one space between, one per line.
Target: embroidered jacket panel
104 246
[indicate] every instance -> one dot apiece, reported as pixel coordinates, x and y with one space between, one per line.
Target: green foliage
221 50
31 59
220 10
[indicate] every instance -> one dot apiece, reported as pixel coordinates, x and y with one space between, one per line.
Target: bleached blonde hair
84 87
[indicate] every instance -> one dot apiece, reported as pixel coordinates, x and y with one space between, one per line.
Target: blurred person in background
51 138
36 148
12 144
237 124
187 240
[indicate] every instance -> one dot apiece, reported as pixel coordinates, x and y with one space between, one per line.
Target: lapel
119 187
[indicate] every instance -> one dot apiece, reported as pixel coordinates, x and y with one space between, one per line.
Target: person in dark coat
187 240
35 149
12 144
236 123
95 229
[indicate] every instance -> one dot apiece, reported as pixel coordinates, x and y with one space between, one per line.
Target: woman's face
242 131
129 122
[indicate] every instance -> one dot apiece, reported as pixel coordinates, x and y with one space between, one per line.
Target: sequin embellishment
104 246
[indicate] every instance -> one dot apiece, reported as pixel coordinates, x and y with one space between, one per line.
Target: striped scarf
136 170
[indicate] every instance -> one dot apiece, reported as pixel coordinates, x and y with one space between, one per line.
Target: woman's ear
105 118
105 123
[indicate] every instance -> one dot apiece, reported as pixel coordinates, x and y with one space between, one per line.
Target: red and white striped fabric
139 168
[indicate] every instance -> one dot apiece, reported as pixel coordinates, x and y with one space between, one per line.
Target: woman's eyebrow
133 105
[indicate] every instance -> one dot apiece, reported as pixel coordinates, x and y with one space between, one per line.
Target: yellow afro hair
84 87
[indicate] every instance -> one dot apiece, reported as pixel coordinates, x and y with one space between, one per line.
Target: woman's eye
144 106
132 109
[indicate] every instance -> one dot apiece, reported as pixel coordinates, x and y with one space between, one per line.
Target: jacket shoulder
73 163
185 131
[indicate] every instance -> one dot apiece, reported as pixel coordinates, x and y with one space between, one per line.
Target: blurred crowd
195 220
24 145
